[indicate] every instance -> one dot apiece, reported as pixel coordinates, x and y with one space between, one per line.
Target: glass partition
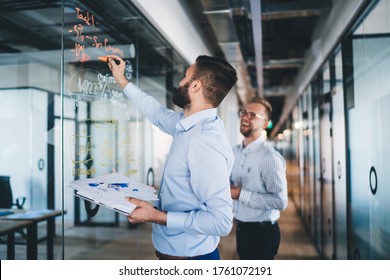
107 133
30 70
64 118
368 133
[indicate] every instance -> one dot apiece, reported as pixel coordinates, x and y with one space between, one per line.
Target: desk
34 217
9 227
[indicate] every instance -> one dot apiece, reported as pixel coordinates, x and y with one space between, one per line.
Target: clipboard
112 190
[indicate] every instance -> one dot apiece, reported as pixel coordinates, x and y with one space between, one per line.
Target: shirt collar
186 123
253 145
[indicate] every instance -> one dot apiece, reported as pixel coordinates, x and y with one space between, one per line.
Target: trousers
257 241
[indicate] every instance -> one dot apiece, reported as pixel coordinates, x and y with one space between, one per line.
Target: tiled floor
123 243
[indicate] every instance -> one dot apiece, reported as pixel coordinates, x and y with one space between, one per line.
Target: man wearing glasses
259 186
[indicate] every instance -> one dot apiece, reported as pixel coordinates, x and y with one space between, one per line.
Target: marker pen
105 59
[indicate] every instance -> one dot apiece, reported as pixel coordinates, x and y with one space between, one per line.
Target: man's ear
265 124
195 85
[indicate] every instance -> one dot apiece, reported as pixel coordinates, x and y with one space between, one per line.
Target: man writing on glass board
195 207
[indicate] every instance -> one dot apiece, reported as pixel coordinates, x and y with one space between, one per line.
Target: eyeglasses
250 115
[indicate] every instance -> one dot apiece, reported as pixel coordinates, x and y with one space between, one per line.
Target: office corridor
323 66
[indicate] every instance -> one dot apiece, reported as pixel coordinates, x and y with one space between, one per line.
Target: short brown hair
264 102
217 76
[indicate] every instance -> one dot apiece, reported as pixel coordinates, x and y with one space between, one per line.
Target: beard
181 98
246 130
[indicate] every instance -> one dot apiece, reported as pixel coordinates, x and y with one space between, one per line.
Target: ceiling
265 40
269 38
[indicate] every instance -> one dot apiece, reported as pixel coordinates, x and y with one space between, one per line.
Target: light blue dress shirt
195 188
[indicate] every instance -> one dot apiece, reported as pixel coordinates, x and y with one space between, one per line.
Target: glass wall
63 117
31 74
368 133
345 119
340 220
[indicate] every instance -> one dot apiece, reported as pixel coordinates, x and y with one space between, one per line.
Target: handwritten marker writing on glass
105 59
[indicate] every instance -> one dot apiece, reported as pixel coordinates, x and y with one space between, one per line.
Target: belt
162 256
258 224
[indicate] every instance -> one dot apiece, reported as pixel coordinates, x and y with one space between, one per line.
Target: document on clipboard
112 190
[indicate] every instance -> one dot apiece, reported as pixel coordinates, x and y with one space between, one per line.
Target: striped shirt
260 171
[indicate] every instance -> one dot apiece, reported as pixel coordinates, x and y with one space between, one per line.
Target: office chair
6 198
